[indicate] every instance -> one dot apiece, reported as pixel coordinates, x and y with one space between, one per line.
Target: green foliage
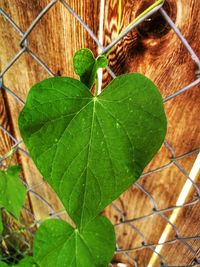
13 193
12 198
26 262
58 244
1 223
90 149
86 66
2 264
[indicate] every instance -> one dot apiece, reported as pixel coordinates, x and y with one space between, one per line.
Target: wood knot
156 26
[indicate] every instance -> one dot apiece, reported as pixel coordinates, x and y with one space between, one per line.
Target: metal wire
172 161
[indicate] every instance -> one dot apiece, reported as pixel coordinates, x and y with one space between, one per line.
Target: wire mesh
24 247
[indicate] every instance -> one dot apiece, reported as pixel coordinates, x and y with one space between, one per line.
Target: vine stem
96 86
157 3
142 15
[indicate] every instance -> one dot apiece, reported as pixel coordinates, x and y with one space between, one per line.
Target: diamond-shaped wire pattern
173 161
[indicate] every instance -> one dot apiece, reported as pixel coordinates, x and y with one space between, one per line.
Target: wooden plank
54 40
134 204
187 222
6 144
5 141
154 50
156 53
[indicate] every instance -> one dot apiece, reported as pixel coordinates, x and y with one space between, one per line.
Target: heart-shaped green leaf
91 149
13 193
57 244
86 66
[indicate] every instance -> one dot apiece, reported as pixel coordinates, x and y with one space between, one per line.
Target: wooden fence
152 49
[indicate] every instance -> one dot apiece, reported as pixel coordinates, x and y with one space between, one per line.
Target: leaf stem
143 14
96 86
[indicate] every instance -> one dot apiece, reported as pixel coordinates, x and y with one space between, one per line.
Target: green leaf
13 193
102 61
27 262
3 264
86 66
83 61
1 222
91 149
57 244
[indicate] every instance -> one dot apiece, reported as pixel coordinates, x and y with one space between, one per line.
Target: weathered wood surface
54 40
152 50
188 224
5 141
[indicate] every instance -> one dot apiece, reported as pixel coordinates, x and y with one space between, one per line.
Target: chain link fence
173 161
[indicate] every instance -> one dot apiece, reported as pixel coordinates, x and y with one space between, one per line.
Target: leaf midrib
89 150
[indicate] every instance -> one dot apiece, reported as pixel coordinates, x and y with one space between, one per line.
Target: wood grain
187 223
5 141
54 40
154 50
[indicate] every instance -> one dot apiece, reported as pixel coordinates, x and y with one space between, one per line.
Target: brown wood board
152 50
54 40
188 225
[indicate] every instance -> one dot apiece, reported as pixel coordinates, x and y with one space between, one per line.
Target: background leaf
2 264
102 61
86 66
84 62
13 193
1 223
26 262
91 149
57 244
